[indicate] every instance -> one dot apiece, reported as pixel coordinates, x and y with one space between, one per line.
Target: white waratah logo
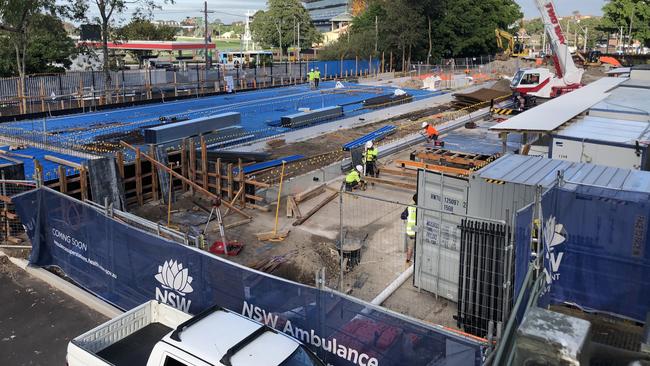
173 276
554 235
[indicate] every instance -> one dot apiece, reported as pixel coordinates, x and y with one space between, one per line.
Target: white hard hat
424 124
312 69
359 168
368 144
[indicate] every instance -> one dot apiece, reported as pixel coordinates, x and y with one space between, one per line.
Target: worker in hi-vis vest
370 159
430 132
317 77
312 78
353 179
410 216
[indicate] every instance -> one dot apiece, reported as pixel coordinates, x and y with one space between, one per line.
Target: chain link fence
12 232
463 263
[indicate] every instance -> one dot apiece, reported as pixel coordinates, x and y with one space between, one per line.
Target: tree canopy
282 23
628 15
421 29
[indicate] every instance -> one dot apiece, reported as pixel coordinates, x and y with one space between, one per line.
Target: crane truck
541 82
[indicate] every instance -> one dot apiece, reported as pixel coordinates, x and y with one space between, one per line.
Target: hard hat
368 144
424 124
359 168
312 69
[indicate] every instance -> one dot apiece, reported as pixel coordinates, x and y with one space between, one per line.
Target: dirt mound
502 85
411 84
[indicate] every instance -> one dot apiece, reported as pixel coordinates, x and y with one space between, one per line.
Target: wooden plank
63 182
309 194
192 161
204 163
234 200
315 209
138 176
399 172
154 174
179 176
242 182
54 159
230 181
184 162
119 157
218 177
83 181
432 167
405 185
237 223
292 208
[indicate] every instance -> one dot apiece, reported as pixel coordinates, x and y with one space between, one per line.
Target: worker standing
430 132
353 179
312 76
317 77
370 159
410 215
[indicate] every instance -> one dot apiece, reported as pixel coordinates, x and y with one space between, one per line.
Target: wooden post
83 181
204 163
242 183
230 181
138 176
218 169
119 158
154 174
63 181
192 160
184 161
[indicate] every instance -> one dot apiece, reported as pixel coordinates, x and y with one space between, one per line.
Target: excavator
541 82
514 49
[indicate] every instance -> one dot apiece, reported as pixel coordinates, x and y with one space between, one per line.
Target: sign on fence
126 267
596 249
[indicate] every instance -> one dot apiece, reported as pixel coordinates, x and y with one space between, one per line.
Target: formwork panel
311 117
193 127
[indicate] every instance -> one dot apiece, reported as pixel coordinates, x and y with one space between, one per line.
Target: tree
108 10
629 16
145 30
282 24
17 19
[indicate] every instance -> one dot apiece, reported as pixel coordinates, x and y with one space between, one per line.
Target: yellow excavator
514 48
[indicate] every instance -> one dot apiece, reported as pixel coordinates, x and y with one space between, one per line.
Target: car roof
211 337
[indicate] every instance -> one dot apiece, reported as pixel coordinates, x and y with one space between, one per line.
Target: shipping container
438 243
508 184
612 142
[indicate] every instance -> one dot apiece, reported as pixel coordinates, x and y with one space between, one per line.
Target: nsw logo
554 236
176 283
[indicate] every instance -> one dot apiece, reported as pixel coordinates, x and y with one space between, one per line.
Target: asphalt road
36 320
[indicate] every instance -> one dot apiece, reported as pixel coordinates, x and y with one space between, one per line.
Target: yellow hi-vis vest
317 74
353 176
371 154
410 221
312 75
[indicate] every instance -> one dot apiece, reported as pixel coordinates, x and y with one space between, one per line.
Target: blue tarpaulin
596 249
126 267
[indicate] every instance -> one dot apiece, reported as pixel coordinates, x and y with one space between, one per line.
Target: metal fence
12 232
462 266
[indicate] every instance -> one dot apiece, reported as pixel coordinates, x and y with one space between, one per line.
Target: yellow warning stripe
503 111
495 181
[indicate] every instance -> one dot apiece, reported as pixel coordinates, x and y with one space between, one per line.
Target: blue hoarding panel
596 250
126 267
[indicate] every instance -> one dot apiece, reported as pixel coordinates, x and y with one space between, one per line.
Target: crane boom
564 66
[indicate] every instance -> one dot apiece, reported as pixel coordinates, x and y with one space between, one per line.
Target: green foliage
48 45
458 28
623 13
142 29
278 25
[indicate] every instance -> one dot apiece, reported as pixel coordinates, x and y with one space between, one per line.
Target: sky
228 10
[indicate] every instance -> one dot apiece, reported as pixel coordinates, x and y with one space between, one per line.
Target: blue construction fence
126 267
596 250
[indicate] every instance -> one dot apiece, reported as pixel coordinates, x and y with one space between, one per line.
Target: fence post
198 81
123 87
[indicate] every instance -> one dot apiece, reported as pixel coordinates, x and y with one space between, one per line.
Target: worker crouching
430 132
353 179
370 160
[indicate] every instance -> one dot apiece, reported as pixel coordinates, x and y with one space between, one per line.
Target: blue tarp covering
126 266
597 252
268 164
373 136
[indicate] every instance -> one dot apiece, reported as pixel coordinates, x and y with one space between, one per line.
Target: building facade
322 12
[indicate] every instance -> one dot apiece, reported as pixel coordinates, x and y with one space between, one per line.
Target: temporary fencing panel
595 249
126 266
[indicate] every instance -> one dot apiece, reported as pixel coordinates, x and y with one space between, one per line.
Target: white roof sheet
626 100
606 129
554 113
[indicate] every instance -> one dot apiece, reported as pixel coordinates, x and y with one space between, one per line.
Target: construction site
491 212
